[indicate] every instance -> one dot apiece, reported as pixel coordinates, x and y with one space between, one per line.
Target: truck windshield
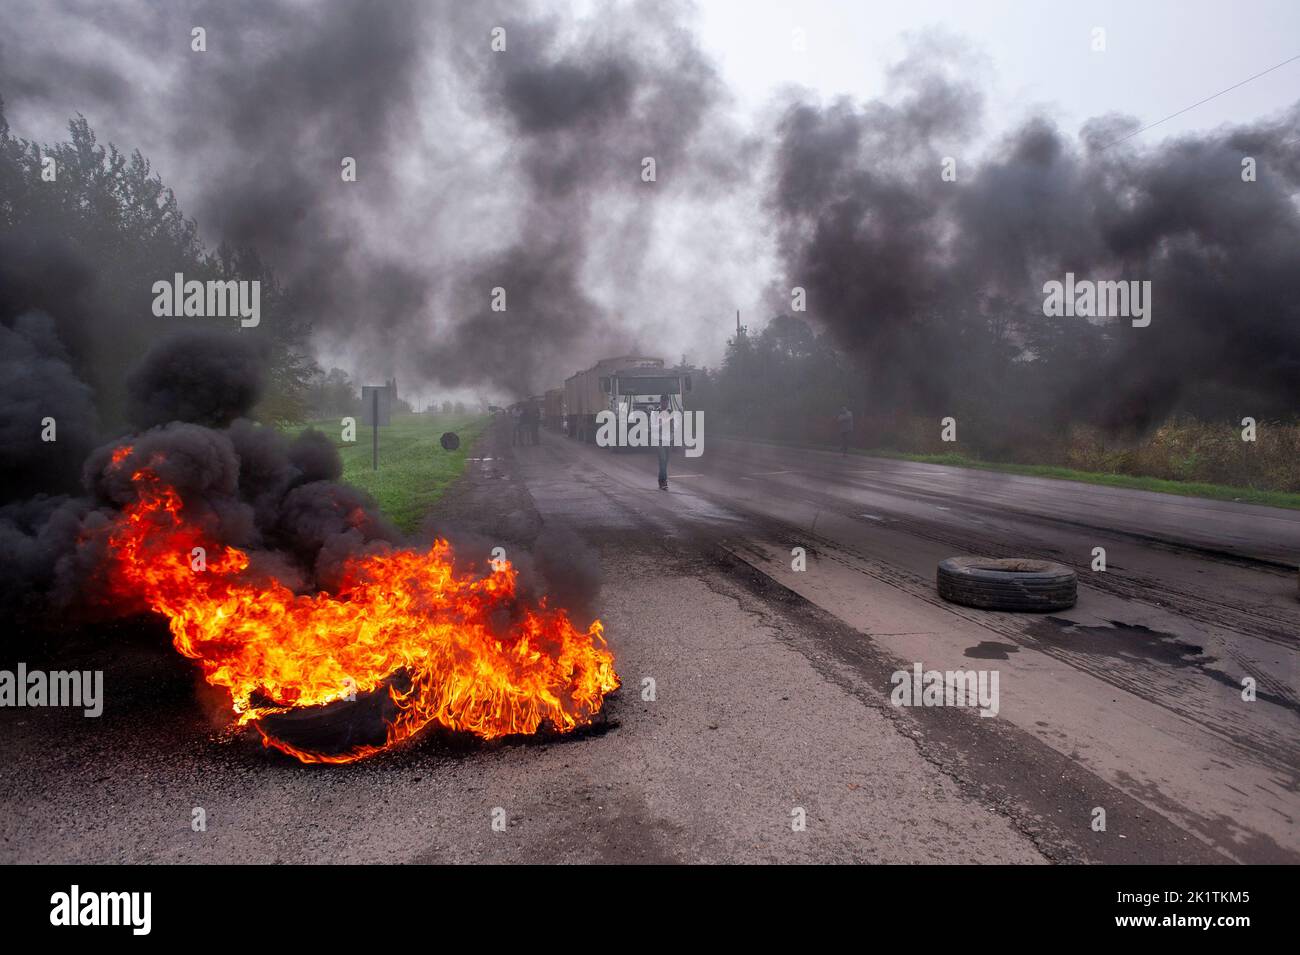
653 387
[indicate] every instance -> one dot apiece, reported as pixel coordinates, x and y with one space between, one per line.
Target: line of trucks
622 384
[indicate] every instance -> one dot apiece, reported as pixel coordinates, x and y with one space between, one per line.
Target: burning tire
1032 586
334 731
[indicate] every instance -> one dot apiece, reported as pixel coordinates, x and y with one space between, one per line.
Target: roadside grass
414 470
1216 492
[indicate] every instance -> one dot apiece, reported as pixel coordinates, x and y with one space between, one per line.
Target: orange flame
400 612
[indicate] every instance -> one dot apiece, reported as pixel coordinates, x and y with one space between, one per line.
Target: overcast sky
1161 55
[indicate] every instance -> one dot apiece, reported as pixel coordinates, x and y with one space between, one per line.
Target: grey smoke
580 114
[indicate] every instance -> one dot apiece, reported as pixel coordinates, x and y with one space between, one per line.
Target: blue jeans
663 466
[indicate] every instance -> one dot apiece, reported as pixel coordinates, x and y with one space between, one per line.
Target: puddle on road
1137 644
991 650
1130 641
1127 641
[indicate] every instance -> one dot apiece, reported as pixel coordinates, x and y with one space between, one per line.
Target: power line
1202 102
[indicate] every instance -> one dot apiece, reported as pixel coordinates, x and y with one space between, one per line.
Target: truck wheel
1023 585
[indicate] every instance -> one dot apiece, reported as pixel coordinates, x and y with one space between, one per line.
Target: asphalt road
1130 702
771 689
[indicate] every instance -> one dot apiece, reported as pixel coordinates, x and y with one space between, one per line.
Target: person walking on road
665 439
533 415
845 420
526 423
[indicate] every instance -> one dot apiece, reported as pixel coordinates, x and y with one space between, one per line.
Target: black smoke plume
48 420
476 168
937 286
245 484
203 377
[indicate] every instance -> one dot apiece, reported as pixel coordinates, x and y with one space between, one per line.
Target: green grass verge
414 470
1216 492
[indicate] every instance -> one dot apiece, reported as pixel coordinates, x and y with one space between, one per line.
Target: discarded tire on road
1027 586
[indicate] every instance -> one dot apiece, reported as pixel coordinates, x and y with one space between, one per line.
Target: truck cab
640 390
621 385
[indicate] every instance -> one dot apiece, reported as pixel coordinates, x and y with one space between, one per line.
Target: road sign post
376 402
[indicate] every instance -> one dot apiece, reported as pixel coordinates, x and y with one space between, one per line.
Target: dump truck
621 385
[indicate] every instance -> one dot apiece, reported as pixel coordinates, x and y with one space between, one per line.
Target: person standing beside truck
665 426
527 415
845 420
